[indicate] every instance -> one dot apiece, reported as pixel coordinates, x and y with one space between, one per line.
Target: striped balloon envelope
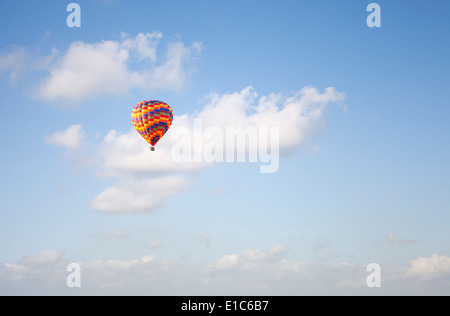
152 119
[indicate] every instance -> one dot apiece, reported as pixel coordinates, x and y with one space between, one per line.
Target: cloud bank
249 272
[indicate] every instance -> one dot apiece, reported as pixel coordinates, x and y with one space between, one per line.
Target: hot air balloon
152 119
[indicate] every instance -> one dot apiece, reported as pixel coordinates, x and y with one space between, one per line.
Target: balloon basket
152 148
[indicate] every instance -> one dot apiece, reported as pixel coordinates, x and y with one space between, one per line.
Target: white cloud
137 196
146 178
431 268
227 262
90 70
71 138
122 155
127 155
87 70
297 116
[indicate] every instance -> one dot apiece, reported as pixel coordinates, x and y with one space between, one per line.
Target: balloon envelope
152 119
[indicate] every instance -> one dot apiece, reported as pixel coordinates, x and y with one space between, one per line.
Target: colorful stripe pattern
152 119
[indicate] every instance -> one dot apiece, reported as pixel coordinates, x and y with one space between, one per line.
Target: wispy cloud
13 62
154 244
393 239
18 62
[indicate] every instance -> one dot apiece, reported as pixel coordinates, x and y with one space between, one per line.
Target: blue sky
366 180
